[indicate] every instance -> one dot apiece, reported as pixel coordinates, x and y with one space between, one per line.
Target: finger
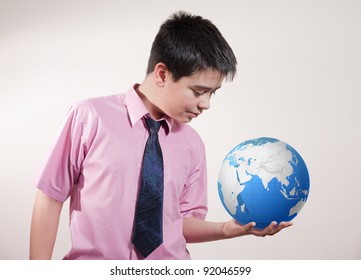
287 224
250 226
271 226
267 230
280 226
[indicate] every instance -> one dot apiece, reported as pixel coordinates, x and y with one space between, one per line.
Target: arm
44 226
196 230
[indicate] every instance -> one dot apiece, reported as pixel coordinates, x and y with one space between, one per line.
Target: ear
161 74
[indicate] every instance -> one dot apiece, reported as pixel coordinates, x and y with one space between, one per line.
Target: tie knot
153 125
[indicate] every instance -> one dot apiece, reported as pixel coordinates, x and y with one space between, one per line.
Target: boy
97 158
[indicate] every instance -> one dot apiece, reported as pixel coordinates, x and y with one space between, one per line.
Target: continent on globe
263 180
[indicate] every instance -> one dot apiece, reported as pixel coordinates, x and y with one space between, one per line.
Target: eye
197 93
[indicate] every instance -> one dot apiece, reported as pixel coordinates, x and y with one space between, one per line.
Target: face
187 98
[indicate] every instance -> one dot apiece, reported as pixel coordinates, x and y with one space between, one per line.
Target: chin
182 119
186 119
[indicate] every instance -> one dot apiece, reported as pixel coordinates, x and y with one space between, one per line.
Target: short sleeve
193 200
62 166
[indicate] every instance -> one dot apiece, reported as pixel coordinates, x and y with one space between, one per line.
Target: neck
146 94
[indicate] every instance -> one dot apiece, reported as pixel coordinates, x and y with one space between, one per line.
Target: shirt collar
137 109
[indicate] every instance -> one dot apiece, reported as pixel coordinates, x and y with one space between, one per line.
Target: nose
204 102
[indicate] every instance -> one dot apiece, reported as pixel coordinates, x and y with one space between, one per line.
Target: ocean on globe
263 180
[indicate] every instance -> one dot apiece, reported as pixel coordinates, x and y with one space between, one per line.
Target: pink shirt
96 160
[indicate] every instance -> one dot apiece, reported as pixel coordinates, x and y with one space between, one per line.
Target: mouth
193 114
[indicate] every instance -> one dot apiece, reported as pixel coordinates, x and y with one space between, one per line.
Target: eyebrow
205 88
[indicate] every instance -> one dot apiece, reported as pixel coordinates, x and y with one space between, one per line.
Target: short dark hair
187 43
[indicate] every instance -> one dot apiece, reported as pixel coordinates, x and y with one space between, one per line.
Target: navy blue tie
148 226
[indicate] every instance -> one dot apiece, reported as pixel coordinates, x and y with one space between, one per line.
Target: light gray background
298 81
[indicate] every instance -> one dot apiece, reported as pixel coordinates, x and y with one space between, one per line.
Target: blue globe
263 180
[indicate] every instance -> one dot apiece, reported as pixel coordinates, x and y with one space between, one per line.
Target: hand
234 229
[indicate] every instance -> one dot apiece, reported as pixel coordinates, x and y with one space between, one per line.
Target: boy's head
187 44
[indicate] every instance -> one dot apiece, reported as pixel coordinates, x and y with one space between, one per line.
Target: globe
263 180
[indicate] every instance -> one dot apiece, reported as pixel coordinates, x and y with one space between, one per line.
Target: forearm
44 226
196 230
